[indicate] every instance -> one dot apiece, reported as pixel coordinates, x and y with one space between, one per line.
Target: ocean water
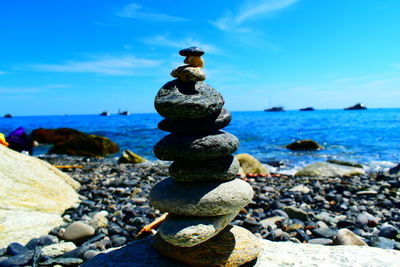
370 137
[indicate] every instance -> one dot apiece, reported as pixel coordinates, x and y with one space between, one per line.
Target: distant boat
357 106
274 109
105 113
125 113
8 116
307 109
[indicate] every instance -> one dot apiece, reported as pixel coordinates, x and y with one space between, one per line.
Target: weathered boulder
325 169
345 163
395 171
33 195
274 254
87 145
130 157
306 145
53 136
346 237
250 164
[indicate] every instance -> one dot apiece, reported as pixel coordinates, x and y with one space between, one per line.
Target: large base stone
200 199
274 254
188 231
233 246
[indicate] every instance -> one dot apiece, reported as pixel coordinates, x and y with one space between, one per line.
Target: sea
370 137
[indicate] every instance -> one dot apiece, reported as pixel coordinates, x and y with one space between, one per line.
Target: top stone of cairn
191 51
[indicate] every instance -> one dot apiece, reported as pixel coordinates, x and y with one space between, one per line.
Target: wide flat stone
187 100
196 147
212 123
233 246
224 168
188 231
274 254
202 198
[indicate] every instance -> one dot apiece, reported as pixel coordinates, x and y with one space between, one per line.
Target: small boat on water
275 109
357 106
8 115
125 113
307 109
105 113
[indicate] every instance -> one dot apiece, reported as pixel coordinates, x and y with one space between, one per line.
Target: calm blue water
369 136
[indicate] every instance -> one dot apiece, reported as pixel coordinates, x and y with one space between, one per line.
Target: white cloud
20 90
231 21
163 40
109 65
136 11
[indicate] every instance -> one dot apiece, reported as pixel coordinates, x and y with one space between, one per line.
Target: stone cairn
201 195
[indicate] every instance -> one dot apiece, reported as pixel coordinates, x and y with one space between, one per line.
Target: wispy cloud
252 9
136 11
2 72
108 65
163 40
19 90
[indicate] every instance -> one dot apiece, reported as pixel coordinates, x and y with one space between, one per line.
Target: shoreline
284 207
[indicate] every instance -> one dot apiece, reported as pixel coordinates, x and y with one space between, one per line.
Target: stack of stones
201 195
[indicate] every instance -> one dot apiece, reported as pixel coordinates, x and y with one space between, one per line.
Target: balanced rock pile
201 195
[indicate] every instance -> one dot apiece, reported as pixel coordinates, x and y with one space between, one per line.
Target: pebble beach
114 208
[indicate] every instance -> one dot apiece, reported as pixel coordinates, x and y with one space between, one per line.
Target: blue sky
83 57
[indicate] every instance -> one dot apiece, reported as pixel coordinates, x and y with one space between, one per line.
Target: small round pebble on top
191 51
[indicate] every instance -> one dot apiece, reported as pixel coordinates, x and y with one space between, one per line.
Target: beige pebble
194 61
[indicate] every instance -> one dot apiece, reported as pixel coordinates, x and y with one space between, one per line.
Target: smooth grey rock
212 123
388 231
179 100
383 242
196 147
78 231
296 213
188 231
224 168
16 248
17 260
346 237
201 199
191 51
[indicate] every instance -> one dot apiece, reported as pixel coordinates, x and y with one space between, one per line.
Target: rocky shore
114 208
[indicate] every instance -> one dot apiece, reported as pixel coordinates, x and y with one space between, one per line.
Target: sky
88 56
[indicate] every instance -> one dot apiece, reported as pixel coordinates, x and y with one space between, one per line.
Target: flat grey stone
142 254
224 168
212 123
196 147
201 198
187 100
188 231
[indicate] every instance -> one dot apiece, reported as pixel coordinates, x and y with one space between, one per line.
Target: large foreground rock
33 195
325 169
274 254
